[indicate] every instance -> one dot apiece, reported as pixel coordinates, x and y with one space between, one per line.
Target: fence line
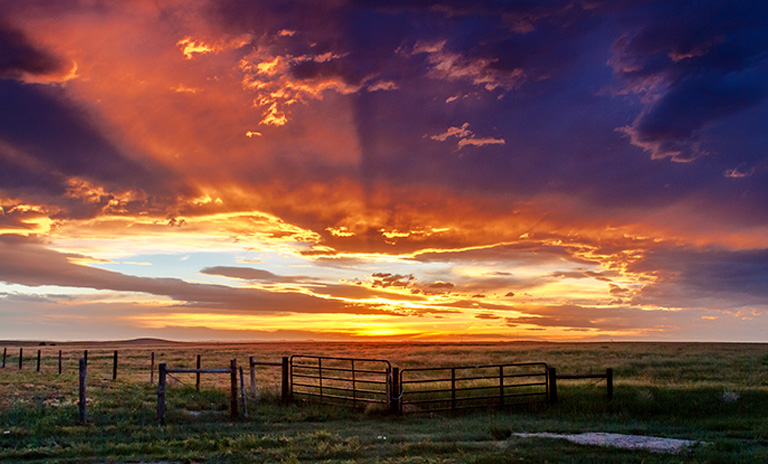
59 360
358 382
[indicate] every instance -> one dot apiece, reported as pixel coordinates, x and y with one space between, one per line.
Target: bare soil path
617 440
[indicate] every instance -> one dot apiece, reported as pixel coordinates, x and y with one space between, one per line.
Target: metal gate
451 388
355 382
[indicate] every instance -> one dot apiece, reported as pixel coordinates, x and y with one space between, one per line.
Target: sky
388 171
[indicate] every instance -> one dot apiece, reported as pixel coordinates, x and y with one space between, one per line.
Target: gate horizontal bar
200 371
488 387
342 379
338 369
326 387
470 398
344 398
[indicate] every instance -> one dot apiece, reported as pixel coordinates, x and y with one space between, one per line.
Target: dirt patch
617 440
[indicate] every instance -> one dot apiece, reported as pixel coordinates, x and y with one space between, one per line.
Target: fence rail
554 377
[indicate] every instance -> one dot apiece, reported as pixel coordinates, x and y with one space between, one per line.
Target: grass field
713 393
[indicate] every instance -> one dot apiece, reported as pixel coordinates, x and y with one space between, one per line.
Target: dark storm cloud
373 39
19 56
705 278
547 65
46 142
586 317
701 61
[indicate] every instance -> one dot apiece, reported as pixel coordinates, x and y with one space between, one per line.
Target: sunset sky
395 170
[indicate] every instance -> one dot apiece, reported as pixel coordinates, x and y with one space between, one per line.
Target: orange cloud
191 47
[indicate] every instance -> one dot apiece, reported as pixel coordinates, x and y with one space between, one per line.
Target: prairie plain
713 394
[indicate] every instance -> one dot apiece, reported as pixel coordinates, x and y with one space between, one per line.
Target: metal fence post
609 382
114 366
5 353
82 400
59 362
38 360
161 382
453 388
152 368
197 374
21 356
552 372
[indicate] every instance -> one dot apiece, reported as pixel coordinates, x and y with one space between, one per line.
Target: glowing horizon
239 170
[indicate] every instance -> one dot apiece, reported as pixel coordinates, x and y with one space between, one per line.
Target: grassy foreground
714 393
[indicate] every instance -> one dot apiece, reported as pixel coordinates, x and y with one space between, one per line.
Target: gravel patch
617 440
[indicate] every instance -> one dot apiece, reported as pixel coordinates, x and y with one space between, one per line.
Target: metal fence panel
350 381
463 387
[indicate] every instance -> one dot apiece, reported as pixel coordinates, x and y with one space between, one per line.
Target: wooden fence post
152 368
552 385
197 374
114 366
233 389
59 362
5 353
85 356
609 382
286 389
21 356
242 393
161 393
81 404
254 390
38 360
394 392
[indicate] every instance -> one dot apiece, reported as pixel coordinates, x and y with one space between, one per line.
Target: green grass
715 393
